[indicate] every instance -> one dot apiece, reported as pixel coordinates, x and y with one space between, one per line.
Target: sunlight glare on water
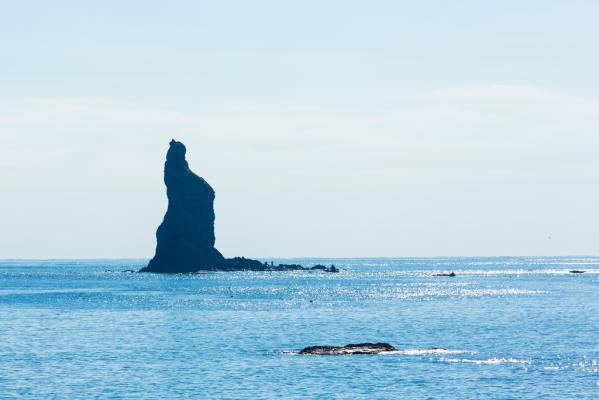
502 328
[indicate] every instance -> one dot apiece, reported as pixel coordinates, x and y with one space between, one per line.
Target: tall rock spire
185 238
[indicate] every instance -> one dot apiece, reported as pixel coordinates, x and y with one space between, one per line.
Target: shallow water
521 328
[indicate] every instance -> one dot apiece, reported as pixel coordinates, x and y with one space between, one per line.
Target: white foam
489 361
547 271
418 352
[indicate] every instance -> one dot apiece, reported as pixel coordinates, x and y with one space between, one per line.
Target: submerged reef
185 238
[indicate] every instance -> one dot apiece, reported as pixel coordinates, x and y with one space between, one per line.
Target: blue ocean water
513 328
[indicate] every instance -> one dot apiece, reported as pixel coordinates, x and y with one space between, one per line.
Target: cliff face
185 238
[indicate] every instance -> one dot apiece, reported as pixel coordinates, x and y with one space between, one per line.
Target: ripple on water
488 361
511 327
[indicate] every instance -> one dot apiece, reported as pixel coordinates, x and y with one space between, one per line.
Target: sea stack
185 238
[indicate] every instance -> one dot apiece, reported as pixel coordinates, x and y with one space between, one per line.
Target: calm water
521 328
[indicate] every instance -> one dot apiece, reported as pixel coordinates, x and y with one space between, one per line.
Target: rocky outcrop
321 267
359 348
185 238
451 274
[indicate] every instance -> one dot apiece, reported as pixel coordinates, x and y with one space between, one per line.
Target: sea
502 328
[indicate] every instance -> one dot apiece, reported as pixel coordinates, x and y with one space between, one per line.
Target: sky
327 128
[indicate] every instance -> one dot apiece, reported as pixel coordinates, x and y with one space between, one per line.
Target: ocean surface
512 328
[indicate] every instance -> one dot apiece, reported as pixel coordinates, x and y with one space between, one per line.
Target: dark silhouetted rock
247 264
289 267
452 274
185 238
359 348
320 267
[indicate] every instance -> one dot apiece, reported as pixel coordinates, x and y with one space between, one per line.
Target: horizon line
304 257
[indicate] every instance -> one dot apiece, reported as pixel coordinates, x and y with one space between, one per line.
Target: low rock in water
452 274
359 348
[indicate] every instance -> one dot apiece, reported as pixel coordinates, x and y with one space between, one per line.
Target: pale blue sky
327 128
